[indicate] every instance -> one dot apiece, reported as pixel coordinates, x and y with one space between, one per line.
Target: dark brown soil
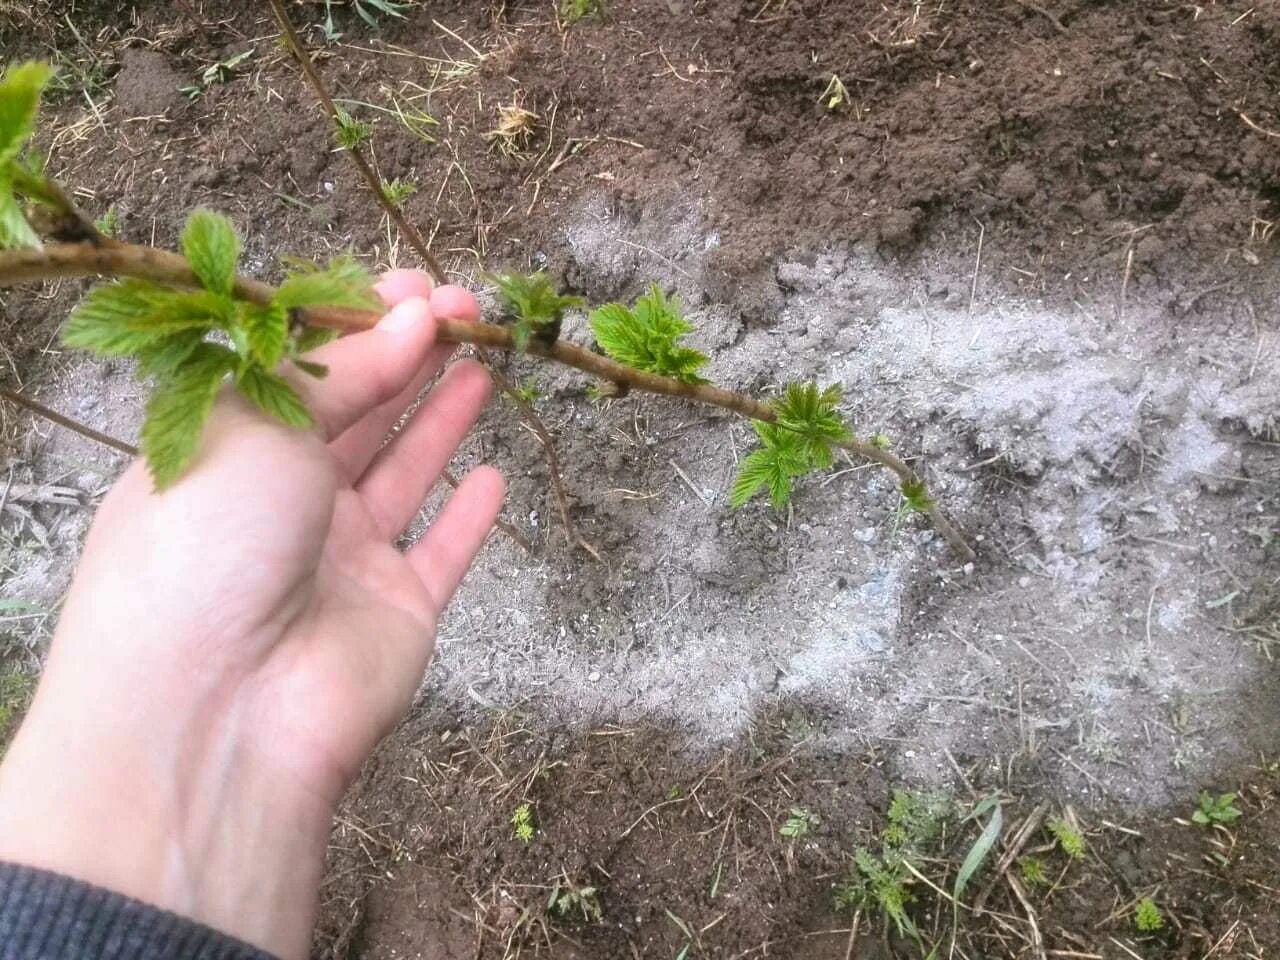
425 863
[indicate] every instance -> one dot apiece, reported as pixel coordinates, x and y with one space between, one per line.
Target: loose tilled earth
1035 244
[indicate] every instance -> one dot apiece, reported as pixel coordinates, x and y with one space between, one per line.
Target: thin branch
420 246
76 426
407 229
53 416
127 260
501 524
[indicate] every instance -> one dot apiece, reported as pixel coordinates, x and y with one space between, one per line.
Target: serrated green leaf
266 332
979 852
647 336
781 457
535 305
20 88
212 248
273 395
163 357
177 411
343 282
313 338
127 316
812 414
753 473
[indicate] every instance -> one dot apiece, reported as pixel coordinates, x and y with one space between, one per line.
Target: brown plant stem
127 260
420 246
407 229
75 426
53 416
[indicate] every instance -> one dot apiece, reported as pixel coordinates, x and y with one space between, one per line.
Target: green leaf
782 457
343 282
210 244
534 303
812 413
981 848
14 229
915 497
266 333
272 394
647 336
313 338
163 357
177 411
122 318
20 89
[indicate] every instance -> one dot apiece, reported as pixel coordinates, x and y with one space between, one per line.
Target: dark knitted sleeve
45 916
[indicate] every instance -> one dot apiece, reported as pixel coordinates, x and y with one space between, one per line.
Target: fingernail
403 316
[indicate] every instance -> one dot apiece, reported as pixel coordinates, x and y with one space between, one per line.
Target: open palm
232 649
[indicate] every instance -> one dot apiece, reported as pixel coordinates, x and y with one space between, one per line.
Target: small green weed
883 882
1069 838
798 824
835 94
575 10
367 10
109 223
522 827
1032 870
569 901
531 392
220 72
1219 809
1146 916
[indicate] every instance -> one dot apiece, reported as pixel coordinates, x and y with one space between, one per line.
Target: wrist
198 824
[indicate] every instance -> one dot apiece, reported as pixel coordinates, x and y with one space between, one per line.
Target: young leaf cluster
647 336
534 306
568 901
1069 838
1147 917
522 827
1216 809
189 342
799 441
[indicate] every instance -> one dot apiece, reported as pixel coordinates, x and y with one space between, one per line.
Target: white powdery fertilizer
1119 476
1116 472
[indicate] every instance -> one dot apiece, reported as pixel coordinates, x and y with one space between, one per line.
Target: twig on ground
977 266
1036 8
84 259
853 935
501 524
1253 126
1037 938
74 425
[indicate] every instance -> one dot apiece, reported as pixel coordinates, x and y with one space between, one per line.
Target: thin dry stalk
421 247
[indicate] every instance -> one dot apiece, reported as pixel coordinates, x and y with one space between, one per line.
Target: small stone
594 676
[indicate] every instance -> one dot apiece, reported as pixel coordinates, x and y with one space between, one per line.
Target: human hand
232 649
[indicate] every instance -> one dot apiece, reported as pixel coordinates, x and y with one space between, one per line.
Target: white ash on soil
1117 472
